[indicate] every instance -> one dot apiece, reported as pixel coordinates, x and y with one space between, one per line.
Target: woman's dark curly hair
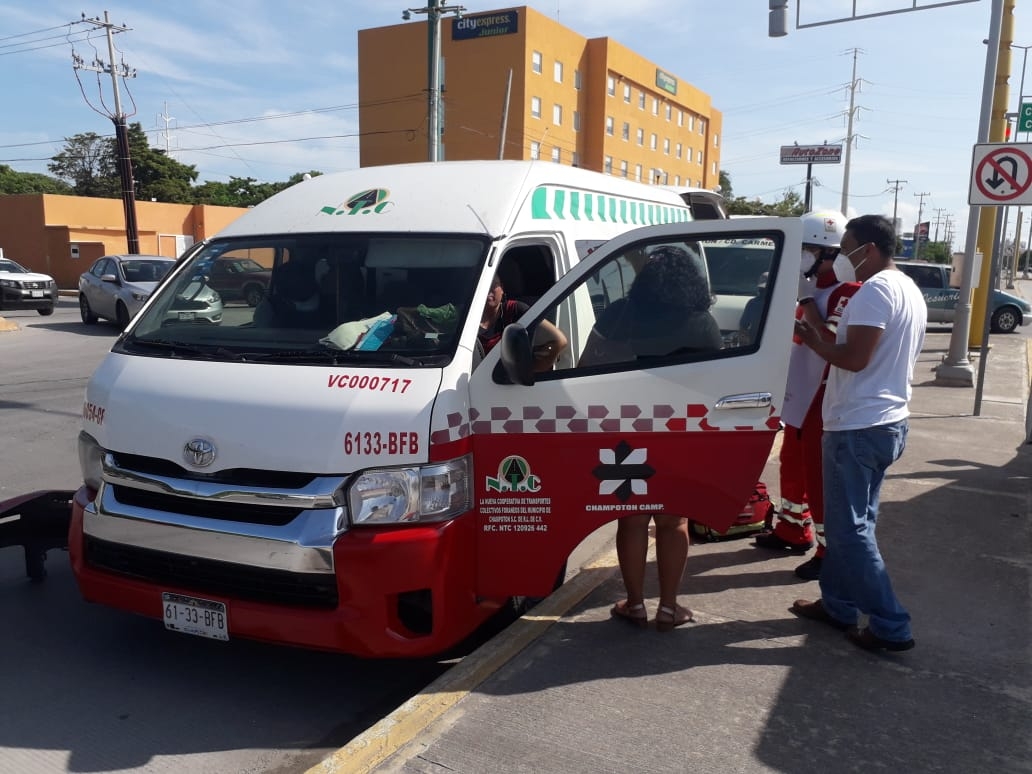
672 279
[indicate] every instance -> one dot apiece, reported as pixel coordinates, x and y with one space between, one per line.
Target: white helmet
823 228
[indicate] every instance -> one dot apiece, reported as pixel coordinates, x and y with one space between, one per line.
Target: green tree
157 175
88 163
12 182
790 204
725 185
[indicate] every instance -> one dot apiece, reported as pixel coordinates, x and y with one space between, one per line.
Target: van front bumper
402 592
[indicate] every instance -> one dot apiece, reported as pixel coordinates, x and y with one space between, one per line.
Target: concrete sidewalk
752 688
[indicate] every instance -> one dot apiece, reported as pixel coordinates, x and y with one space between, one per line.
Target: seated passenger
750 322
665 313
499 312
292 300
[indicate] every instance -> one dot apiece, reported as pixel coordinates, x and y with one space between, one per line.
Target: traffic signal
1006 133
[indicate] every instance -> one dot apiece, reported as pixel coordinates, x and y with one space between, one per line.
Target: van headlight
91 460
427 493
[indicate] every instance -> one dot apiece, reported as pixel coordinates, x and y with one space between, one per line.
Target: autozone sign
811 154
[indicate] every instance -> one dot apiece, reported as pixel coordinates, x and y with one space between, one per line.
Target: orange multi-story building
518 85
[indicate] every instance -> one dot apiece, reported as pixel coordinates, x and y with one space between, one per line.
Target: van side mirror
517 357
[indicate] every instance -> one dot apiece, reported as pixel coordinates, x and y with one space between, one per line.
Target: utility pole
164 134
434 11
853 84
917 228
125 164
939 214
896 185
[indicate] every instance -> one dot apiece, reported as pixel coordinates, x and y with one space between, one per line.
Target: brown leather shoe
815 612
868 640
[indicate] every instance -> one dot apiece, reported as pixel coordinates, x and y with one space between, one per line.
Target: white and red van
342 467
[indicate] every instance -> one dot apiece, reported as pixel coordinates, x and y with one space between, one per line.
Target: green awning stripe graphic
554 203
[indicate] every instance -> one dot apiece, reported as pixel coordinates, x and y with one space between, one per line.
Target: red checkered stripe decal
627 418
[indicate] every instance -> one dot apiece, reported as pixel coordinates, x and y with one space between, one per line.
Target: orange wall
39 230
393 103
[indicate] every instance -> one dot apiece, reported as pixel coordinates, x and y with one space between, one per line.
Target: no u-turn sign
1001 174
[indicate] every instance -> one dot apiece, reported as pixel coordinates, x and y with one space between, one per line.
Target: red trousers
801 516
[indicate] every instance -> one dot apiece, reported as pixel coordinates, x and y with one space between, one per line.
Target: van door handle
745 400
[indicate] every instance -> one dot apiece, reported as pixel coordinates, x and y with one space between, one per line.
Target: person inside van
549 341
293 300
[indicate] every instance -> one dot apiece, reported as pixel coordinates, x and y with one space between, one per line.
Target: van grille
270 515
278 587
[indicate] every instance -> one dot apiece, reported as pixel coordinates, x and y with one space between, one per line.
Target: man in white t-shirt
865 430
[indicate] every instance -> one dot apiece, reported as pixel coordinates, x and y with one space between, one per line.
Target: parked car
241 279
117 286
1007 311
24 289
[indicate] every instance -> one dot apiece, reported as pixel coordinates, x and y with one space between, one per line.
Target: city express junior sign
485 25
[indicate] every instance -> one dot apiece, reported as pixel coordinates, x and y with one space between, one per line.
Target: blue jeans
853 576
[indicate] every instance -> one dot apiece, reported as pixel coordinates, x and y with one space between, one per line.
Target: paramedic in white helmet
826 283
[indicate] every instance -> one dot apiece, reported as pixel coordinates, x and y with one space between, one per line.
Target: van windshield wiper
182 349
332 356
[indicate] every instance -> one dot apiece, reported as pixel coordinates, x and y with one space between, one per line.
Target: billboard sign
811 154
666 82
485 25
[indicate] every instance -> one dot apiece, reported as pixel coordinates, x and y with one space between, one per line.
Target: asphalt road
88 689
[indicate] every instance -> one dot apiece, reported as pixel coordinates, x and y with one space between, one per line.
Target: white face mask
808 265
844 269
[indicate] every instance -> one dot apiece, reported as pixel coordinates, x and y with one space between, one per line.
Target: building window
691 122
608 168
626 133
611 86
655 106
716 141
702 126
557 155
577 79
666 146
576 121
677 180
713 169
623 168
557 115
678 150
557 72
535 107
637 172
575 159
699 158
609 125
535 61
627 93
652 141
680 118
641 136
641 101
669 111
535 149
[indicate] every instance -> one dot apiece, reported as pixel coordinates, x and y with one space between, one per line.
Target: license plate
187 315
37 293
190 615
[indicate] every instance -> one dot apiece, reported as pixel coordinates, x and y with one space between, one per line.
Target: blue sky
248 84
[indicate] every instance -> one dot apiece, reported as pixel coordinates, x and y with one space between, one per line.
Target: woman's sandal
636 615
668 618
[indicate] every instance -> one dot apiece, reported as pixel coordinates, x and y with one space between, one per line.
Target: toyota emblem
199 452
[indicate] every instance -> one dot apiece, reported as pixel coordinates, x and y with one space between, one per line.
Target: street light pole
434 11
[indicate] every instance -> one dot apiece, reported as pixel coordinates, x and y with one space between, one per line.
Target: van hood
298 418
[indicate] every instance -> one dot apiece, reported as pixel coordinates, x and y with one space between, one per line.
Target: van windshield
376 299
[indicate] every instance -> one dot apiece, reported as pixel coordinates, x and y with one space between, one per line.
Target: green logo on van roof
550 202
373 201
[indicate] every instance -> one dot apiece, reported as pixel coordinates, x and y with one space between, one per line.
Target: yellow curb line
372 747
8 325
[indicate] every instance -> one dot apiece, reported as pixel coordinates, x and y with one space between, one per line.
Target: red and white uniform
801 517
